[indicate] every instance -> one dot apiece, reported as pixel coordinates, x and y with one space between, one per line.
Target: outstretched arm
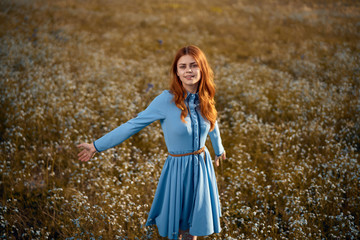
153 112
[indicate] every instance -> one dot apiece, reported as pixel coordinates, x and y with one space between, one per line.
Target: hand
87 153
217 158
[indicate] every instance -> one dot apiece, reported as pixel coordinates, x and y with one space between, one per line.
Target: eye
182 67
195 65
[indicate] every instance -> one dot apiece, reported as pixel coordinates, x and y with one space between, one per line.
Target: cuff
220 154
97 150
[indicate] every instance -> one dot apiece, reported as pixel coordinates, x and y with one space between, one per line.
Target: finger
82 153
81 157
224 156
217 162
88 157
80 145
84 158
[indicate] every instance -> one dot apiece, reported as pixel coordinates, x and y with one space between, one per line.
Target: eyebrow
185 63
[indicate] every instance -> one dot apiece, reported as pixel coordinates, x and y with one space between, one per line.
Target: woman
186 202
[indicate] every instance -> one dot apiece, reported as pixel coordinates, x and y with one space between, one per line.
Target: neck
191 89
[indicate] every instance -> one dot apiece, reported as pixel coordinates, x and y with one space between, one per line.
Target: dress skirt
186 197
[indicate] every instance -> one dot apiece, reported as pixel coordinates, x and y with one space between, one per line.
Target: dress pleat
186 197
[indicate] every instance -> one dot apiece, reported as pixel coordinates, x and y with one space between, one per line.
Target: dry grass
288 81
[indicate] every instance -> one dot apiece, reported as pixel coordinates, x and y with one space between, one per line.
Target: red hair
206 85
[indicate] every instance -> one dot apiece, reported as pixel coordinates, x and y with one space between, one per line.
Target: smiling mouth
189 77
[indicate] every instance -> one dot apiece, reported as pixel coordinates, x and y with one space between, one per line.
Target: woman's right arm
155 111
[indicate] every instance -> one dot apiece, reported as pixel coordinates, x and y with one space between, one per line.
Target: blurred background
288 86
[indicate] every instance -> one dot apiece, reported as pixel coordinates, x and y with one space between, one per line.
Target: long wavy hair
206 87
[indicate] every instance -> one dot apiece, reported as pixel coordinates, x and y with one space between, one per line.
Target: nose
189 69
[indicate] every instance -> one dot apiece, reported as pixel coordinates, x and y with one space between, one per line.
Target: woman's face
189 72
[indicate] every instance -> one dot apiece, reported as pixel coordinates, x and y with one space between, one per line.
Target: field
288 97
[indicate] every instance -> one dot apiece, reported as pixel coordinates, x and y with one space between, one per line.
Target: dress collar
189 94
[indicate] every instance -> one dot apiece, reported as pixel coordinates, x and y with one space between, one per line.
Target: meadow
288 97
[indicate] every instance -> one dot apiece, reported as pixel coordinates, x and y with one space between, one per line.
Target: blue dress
187 195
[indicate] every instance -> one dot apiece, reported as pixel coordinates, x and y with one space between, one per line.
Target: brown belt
201 150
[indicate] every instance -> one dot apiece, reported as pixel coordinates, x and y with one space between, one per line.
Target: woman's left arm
217 144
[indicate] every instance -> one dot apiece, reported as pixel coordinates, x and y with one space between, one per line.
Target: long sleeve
216 140
155 111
